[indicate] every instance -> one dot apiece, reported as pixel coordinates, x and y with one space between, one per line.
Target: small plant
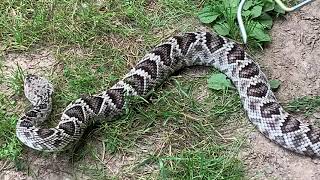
219 82
16 81
257 16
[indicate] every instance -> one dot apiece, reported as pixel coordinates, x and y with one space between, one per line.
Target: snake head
37 89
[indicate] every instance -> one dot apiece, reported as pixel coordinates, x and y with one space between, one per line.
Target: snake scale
188 49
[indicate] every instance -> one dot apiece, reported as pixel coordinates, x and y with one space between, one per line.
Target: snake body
189 49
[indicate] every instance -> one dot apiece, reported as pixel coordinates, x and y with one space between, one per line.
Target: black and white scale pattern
189 49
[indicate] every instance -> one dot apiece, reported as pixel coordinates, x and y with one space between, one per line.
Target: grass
10 146
308 105
205 164
182 130
16 81
174 116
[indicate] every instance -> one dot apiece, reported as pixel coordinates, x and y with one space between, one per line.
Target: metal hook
279 2
288 9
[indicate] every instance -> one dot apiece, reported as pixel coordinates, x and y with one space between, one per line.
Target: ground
291 58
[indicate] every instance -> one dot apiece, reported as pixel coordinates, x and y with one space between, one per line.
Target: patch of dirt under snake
293 58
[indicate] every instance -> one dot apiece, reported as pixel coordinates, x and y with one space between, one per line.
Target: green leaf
246 13
222 29
278 9
248 4
256 11
268 6
265 20
219 82
260 34
232 3
207 15
274 84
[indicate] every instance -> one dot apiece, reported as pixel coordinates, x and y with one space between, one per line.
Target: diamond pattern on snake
189 49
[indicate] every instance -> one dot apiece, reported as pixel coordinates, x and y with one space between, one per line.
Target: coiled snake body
198 48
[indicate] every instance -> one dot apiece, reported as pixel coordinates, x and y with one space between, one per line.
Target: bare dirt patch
41 62
292 58
265 160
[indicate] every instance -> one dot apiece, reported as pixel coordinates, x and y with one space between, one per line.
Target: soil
40 62
292 57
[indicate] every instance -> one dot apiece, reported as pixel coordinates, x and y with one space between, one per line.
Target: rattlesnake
189 49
